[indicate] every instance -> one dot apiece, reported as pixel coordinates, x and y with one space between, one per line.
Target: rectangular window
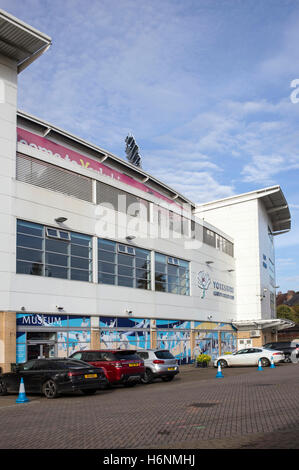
123 265
217 241
50 252
171 275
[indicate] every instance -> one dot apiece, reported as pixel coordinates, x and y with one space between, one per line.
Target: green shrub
203 358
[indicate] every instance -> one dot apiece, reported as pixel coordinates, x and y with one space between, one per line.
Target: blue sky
203 85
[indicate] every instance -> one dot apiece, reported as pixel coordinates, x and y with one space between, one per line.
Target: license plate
90 376
133 365
171 368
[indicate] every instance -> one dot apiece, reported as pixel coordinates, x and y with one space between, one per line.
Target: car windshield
164 355
126 356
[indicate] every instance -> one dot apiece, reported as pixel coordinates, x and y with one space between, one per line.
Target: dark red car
120 366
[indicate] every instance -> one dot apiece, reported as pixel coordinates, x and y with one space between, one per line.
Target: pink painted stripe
59 151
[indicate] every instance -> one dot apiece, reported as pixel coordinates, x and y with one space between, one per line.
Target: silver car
159 363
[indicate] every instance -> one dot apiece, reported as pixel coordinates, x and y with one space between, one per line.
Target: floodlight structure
132 151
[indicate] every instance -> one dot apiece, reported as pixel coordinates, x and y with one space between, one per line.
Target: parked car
250 357
52 377
286 346
159 363
120 366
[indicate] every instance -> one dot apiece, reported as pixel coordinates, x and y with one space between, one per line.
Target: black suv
287 347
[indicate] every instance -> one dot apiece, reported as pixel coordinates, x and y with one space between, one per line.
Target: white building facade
96 253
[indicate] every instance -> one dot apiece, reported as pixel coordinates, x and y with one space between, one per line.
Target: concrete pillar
8 117
8 328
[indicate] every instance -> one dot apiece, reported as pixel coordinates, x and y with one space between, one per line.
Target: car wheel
168 378
148 377
222 363
264 362
50 389
3 388
288 359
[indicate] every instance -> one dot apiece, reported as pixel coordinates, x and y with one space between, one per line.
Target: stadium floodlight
132 151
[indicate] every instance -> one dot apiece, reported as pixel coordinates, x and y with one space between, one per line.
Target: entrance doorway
40 350
40 345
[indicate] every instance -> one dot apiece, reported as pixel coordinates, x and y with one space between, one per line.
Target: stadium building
97 253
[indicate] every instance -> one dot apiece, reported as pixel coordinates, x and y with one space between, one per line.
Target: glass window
26 254
35 269
123 265
171 275
164 355
106 278
29 241
46 251
217 241
29 228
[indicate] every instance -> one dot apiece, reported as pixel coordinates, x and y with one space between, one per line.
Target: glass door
38 350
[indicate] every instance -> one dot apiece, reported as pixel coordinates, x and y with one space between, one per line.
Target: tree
289 313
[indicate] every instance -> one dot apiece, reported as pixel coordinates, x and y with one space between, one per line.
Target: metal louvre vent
45 175
128 203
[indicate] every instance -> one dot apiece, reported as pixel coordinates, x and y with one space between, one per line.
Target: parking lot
247 409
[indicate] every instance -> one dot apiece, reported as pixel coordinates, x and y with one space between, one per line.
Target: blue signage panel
41 320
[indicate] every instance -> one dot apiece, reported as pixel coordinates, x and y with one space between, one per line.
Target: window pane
142 263
107 245
106 256
106 278
107 268
172 270
125 281
29 241
160 258
160 287
64 235
29 268
143 284
57 246
81 263
173 288
51 232
80 275
125 271
161 267
80 239
29 228
142 273
142 253
53 258
82 251
29 255
126 259
55 271
160 277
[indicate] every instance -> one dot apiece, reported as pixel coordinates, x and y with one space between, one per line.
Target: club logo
203 282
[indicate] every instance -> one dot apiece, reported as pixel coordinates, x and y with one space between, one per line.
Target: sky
207 88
